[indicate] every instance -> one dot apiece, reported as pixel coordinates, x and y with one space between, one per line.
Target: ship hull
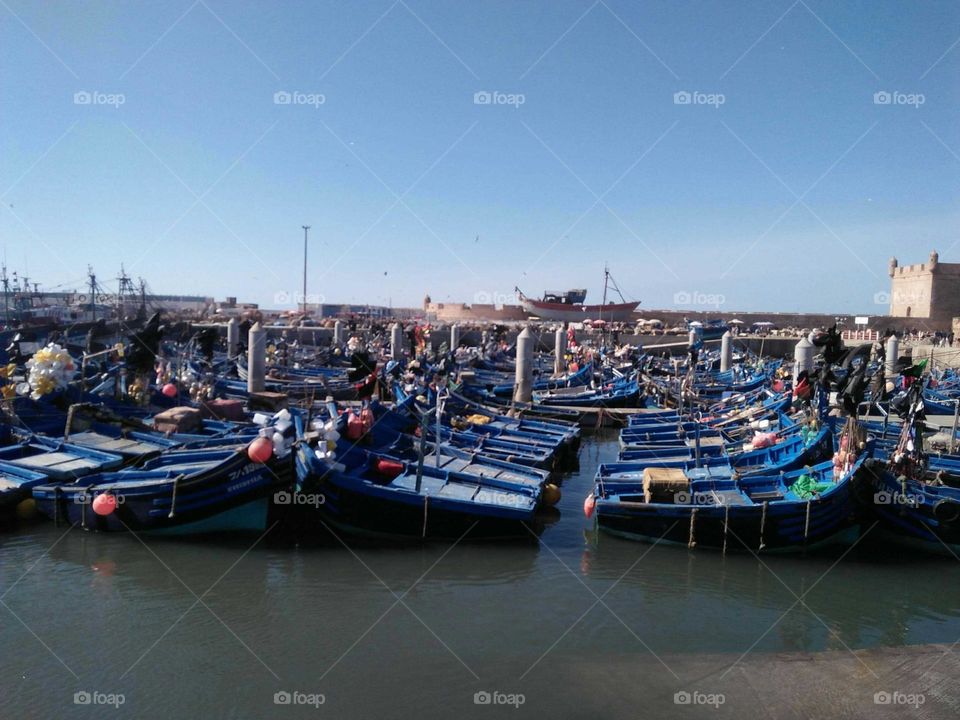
577 313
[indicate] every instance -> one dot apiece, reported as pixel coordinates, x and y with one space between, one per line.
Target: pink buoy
170 390
260 450
104 504
589 504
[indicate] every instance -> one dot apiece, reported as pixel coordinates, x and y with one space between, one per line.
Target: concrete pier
559 349
233 338
523 385
802 358
726 351
256 359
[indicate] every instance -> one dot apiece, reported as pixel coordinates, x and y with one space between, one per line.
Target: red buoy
104 504
260 450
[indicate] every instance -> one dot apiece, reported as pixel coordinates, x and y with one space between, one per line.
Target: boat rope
726 522
83 511
806 525
763 523
692 542
173 498
426 504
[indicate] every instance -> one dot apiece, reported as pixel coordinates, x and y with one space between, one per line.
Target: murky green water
579 625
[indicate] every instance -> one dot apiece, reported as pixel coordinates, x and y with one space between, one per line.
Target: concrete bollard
893 354
726 351
454 337
802 358
559 350
338 334
233 338
256 358
523 384
396 341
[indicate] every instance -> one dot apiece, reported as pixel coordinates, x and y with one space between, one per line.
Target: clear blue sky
200 182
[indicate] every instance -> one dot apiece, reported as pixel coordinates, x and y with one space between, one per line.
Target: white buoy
454 337
559 350
396 341
893 354
726 351
233 338
802 358
256 358
338 334
523 384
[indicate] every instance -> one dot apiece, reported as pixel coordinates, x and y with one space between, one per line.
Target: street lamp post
305 229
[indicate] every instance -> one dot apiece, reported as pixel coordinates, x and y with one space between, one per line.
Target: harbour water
573 625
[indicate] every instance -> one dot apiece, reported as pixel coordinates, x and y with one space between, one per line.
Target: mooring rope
692 542
806 526
726 522
426 503
763 523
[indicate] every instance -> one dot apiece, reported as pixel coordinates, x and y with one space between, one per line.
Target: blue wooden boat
366 494
57 460
788 511
913 497
181 492
16 484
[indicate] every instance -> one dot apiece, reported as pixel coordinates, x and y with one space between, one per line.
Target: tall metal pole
305 229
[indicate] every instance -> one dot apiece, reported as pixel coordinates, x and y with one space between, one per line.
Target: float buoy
260 450
104 504
589 504
551 494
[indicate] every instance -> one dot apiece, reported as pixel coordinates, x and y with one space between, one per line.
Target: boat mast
6 294
93 292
